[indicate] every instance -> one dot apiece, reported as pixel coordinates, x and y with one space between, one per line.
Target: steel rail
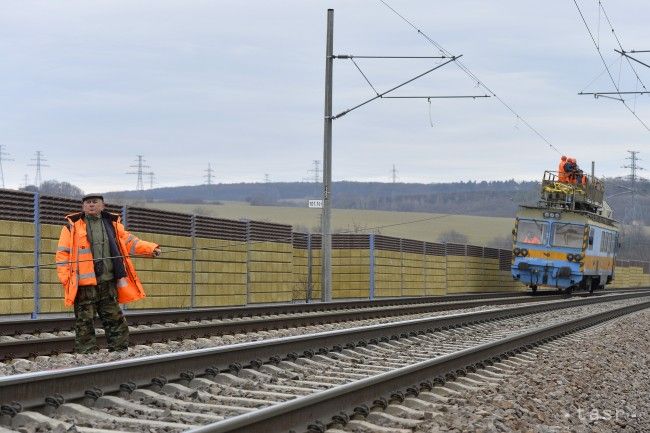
21 326
65 344
30 389
135 318
299 413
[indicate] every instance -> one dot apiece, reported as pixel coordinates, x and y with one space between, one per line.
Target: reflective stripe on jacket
74 259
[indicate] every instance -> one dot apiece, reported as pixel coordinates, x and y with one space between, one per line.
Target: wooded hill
498 198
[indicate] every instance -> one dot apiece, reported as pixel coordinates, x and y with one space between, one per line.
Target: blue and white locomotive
568 240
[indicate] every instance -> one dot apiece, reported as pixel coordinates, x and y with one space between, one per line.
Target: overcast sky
240 85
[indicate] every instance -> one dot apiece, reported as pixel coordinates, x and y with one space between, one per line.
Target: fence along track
30 389
415 268
248 322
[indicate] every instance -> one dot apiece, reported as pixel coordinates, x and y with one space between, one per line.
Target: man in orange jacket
561 172
94 265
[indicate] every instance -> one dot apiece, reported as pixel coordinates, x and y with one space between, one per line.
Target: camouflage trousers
100 300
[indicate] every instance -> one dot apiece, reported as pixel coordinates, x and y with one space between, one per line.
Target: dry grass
411 225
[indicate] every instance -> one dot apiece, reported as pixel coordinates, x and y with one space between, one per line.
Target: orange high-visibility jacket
74 259
562 176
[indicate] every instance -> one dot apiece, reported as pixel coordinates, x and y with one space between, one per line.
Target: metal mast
38 163
394 174
326 257
208 176
327 164
140 172
151 175
633 177
3 154
316 170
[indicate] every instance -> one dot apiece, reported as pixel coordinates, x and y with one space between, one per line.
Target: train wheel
534 289
569 290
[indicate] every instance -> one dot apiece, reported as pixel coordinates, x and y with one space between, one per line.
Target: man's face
93 206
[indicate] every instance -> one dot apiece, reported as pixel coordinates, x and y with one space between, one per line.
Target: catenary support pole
326 278
371 291
37 257
310 279
193 275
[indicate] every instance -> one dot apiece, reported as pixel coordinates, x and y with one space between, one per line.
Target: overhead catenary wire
600 74
620 45
220 248
611 77
473 77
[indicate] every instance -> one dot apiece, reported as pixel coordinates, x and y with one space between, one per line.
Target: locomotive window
532 232
568 235
591 238
607 243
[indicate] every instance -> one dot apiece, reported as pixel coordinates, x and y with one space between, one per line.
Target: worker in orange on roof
571 167
561 172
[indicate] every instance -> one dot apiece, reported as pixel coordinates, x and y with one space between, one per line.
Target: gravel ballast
66 360
595 381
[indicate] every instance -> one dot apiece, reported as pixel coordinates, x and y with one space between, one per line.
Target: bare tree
453 236
56 188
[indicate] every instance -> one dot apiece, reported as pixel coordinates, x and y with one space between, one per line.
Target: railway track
310 382
136 318
162 327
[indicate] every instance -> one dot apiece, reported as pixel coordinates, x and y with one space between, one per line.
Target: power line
3 154
620 45
609 73
208 175
140 172
472 76
38 163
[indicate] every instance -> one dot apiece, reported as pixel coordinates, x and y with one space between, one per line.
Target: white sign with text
317 204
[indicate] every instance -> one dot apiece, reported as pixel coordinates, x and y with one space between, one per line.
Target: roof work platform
581 195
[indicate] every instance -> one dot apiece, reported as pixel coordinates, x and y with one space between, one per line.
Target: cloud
241 85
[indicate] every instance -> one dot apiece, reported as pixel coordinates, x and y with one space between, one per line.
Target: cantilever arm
381 95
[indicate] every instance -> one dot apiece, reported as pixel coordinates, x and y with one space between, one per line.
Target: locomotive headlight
524 252
517 251
570 257
578 257
547 214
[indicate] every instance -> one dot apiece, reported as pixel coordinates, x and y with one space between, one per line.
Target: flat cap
92 195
